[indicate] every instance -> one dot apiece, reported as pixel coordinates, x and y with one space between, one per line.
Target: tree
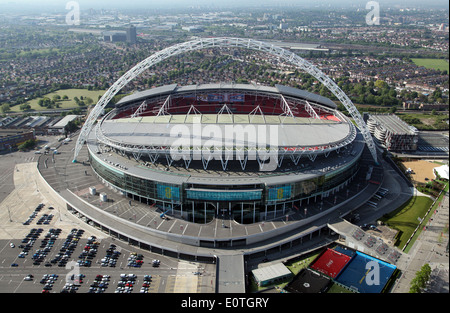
370 99
88 100
381 84
5 107
419 282
25 107
437 93
29 144
392 93
70 127
47 102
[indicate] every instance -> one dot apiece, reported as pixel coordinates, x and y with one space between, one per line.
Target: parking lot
432 143
50 250
61 270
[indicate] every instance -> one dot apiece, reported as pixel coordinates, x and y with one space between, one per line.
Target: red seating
268 106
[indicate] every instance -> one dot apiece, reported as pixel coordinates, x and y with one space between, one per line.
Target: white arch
205 43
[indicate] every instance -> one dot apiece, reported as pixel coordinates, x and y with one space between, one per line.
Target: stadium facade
241 151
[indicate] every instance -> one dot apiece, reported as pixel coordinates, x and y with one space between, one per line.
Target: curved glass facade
201 204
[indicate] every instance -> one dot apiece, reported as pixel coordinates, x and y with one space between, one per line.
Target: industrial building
128 35
11 138
58 128
393 133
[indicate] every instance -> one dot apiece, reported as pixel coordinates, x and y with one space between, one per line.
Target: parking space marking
170 284
155 283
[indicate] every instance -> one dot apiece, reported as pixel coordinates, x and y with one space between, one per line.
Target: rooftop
63 122
271 272
394 124
278 89
177 173
169 130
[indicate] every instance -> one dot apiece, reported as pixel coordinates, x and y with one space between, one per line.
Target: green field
405 218
63 104
438 64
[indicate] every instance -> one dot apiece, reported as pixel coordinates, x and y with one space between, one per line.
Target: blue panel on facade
279 193
224 195
168 192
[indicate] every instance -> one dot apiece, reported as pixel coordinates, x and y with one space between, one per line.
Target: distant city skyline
59 5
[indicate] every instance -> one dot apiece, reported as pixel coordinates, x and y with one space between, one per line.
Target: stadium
181 169
232 150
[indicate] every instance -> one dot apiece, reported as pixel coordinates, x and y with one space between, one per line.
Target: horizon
60 5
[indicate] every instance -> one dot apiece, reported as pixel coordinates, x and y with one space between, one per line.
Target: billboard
221 97
168 192
279 193
209 195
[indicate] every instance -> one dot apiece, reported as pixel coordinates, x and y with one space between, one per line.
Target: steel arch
205 43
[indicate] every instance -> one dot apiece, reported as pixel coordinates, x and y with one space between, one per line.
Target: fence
423 219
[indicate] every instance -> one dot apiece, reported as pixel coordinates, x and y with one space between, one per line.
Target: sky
157 4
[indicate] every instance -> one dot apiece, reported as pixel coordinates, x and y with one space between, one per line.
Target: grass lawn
63 104
425 221
438 64
296 266
405 218
425 121
335 288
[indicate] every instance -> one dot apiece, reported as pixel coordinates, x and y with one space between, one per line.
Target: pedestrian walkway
431 247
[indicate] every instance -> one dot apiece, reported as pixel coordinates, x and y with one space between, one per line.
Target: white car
11 245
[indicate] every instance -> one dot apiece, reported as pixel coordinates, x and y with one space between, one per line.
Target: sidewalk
430 247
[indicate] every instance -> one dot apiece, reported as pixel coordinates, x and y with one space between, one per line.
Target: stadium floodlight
208 43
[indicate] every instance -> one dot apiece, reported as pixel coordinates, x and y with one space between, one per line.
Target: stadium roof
179 175
141 95
140 132
289 91
172 89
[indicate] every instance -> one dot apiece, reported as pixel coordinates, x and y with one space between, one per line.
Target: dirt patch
422 170
428 121
385 233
